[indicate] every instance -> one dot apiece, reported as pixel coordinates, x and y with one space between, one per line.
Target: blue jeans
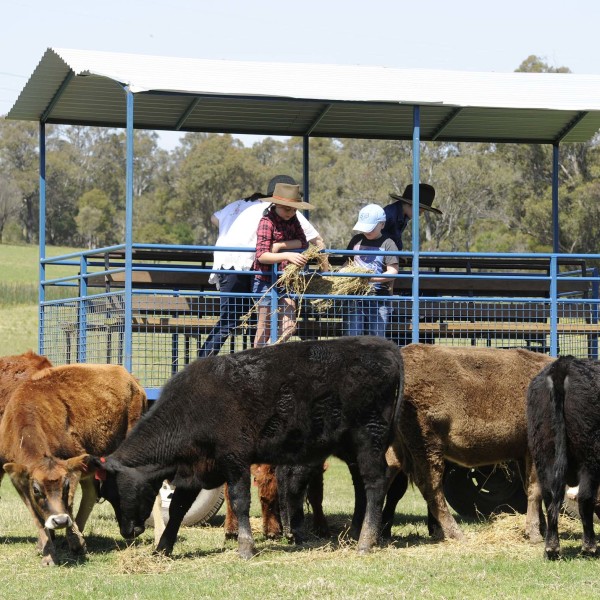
232 309
367 317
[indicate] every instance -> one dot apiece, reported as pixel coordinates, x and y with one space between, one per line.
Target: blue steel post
553 305
128 232
305 167
593 344
274 296
42 235
82 321
415 221
555 229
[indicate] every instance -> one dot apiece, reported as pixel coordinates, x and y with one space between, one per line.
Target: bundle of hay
294 281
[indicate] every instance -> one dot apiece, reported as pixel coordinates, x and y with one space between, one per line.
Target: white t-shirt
229 213
242 233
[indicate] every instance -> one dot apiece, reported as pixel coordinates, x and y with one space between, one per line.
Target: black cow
295 403
563 422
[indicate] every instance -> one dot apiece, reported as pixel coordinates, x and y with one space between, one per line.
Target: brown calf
52 419
266 482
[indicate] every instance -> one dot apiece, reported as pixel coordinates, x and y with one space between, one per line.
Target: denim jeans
232 309
367 317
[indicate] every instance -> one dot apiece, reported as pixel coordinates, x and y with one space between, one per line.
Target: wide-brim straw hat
426 196
286 194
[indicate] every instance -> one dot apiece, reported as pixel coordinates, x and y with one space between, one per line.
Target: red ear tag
100 475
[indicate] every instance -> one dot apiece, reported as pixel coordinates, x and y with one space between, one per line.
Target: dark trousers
232 309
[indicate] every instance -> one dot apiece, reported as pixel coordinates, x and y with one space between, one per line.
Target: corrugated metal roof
81 87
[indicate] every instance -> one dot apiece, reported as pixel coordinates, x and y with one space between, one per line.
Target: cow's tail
401 449
556 383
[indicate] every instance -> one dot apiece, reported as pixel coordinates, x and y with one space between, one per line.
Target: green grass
19 276
494 561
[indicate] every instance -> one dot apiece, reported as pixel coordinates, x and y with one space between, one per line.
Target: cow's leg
551 545
75 539
231 523
588 488
239 495
181 501
88 500
428 475
267 484
395 491
360 498
283 474
534 520
314 495
372 469
292 483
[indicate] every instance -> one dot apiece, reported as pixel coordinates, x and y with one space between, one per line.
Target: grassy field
494 561
19 296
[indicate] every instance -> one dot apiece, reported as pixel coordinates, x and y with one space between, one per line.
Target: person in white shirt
240 232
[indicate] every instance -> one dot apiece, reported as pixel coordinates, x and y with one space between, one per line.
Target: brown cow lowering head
48 490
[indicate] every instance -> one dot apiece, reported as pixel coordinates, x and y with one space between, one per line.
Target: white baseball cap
368 218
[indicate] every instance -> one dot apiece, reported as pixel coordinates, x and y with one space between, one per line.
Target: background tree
10 201
95 219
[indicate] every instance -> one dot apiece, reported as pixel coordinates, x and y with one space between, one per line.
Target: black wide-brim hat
426 196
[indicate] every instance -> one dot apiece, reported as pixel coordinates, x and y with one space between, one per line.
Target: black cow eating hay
563 425
295 403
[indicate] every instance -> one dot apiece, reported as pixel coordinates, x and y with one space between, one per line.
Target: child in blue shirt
369 316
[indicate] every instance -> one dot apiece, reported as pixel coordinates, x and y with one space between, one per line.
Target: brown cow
50 421
465 405
14 370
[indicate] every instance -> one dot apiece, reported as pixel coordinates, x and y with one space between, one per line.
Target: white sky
470 35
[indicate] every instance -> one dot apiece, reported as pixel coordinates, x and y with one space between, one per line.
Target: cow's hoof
364 550
48 561
231 535
589 551
246 552
162 550
321 530
535 538
273 535
552 553
295 539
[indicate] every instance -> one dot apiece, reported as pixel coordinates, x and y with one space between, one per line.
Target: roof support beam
318 119
188 111
56 97
570 126
445 123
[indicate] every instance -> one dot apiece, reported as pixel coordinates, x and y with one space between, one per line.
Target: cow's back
294 398
16 369
73 409
471 401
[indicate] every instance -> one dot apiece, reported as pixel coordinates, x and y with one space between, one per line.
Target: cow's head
129 490
49 487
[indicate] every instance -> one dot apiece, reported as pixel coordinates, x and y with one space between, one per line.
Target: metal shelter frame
577 122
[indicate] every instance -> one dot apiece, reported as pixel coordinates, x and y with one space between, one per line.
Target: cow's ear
80 464
18 475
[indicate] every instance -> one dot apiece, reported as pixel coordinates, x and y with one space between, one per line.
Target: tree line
494 197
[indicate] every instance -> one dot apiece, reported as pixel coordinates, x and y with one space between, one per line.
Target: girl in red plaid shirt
279 235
